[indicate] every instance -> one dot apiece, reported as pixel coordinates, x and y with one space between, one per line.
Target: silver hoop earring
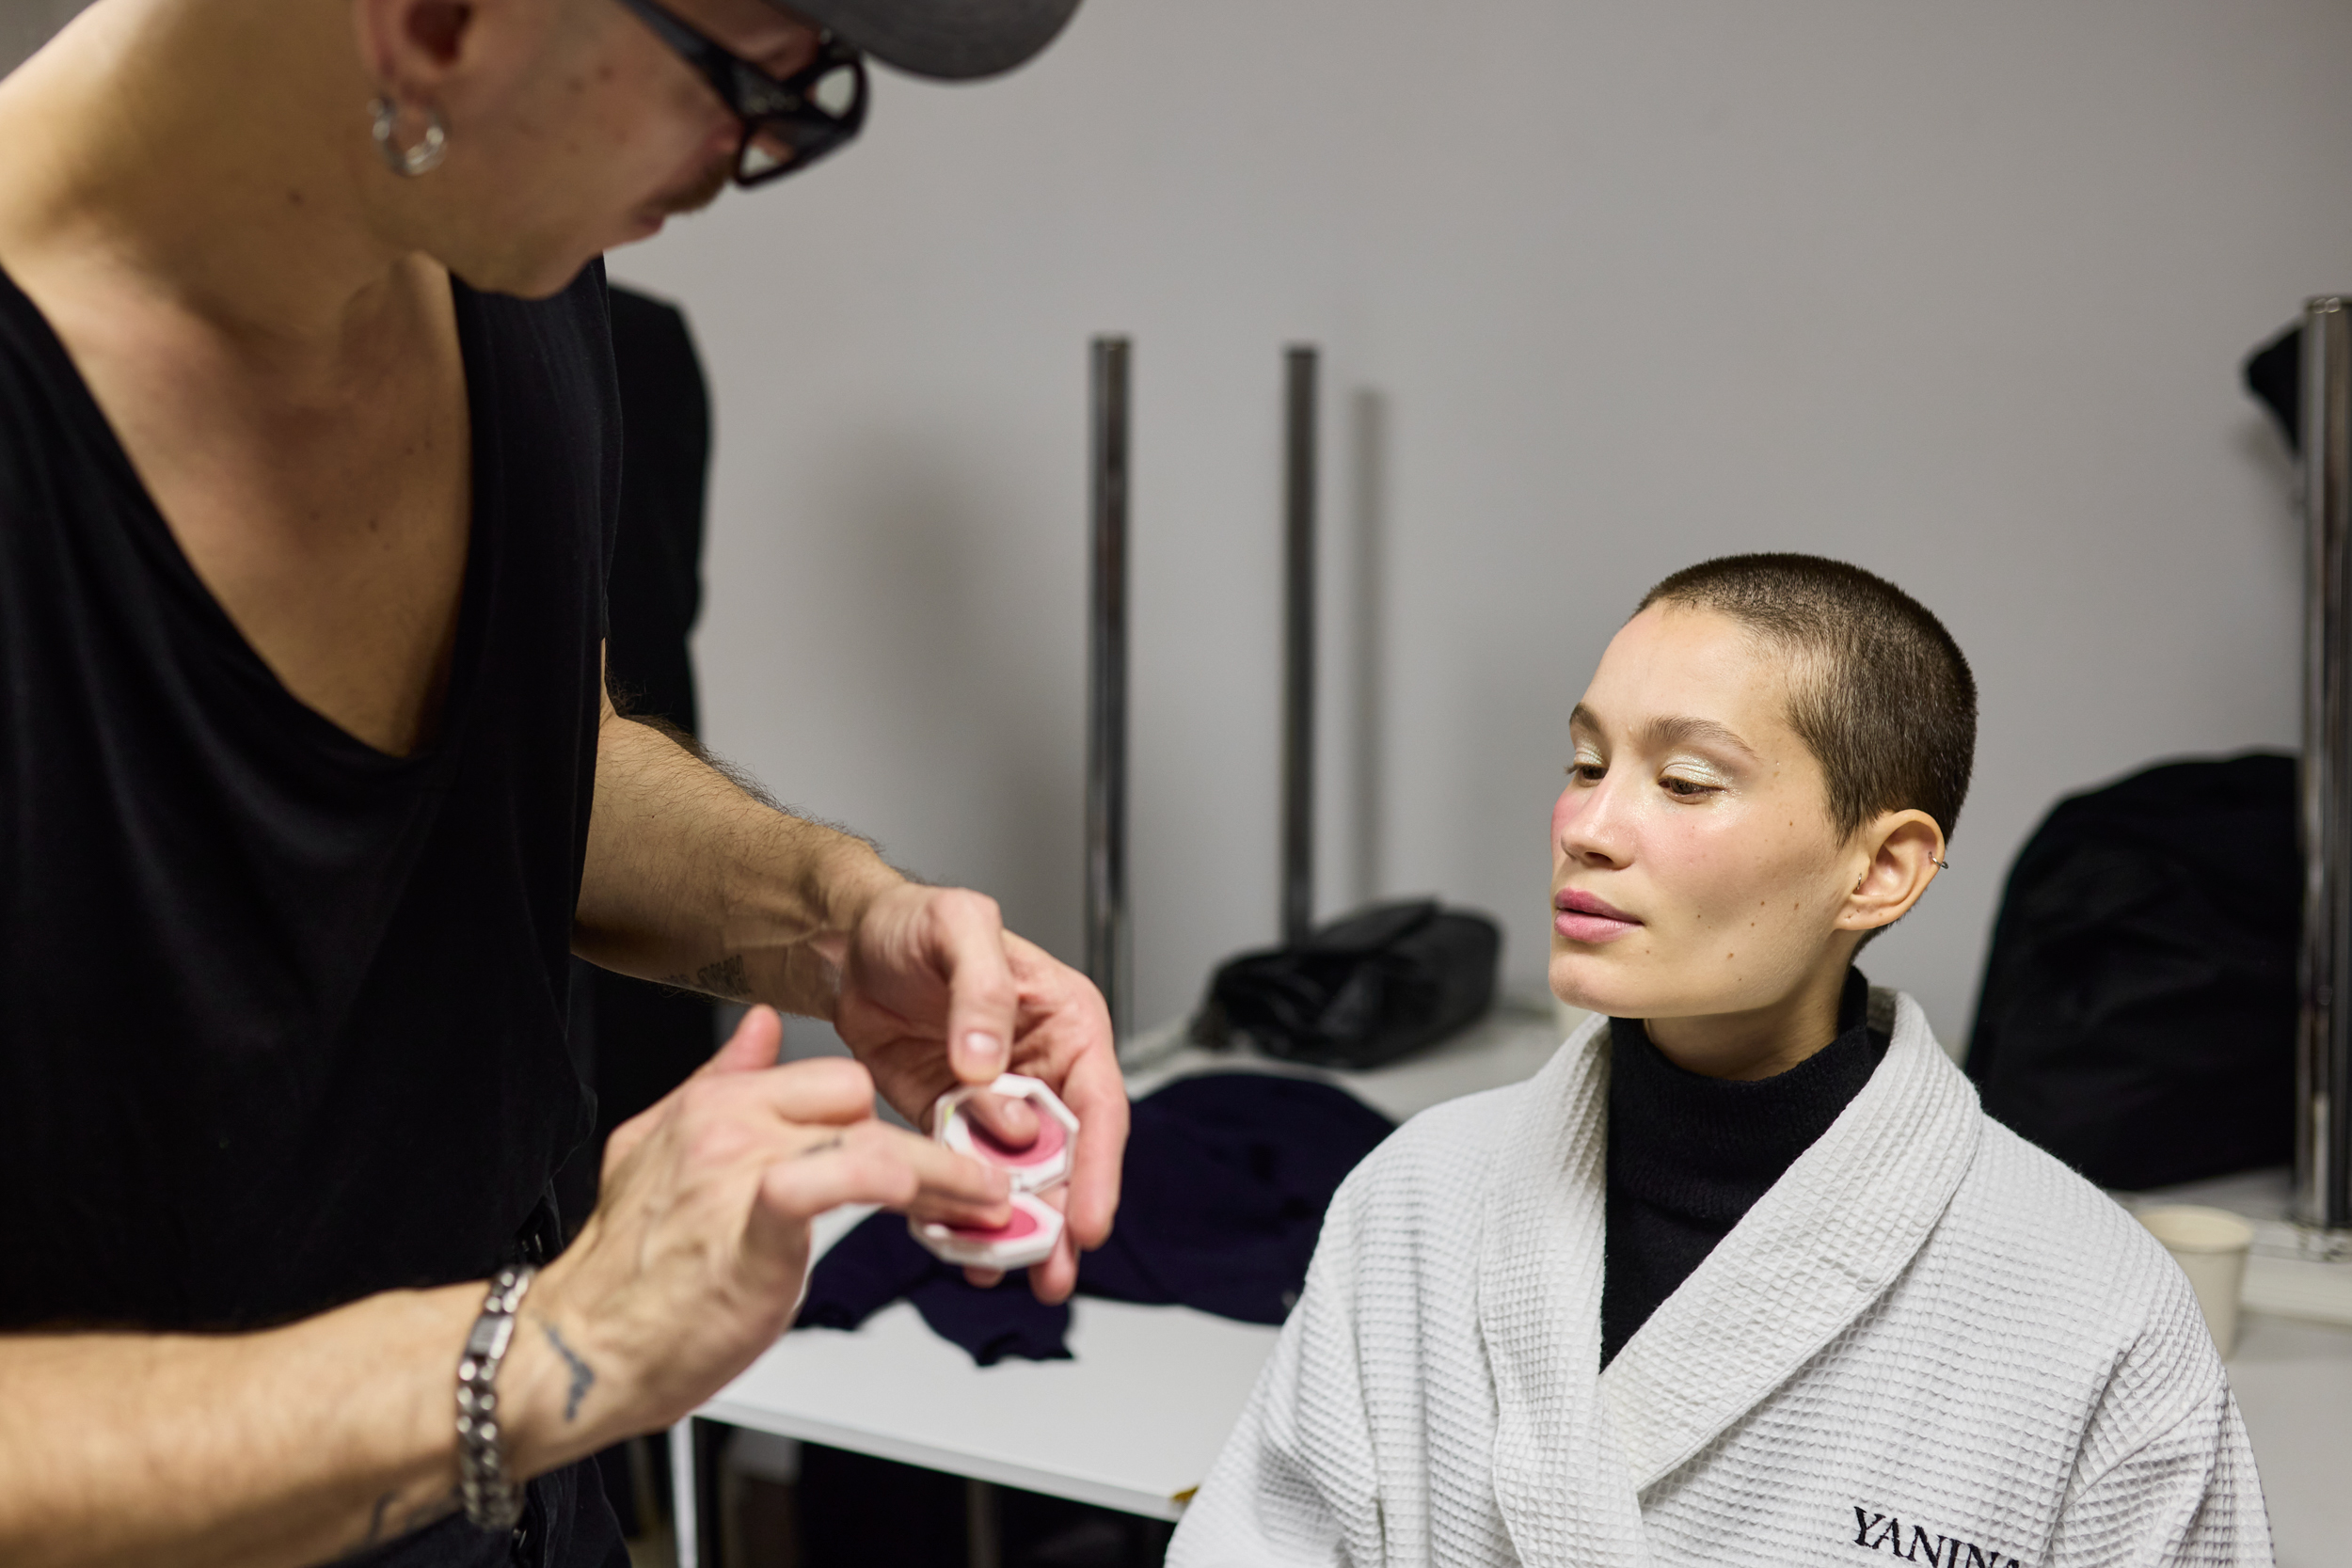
408 162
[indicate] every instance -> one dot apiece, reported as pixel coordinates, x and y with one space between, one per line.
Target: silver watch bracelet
493 1500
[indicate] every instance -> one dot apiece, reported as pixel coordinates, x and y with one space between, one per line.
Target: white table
1133 1421
2294 1386
2292 1370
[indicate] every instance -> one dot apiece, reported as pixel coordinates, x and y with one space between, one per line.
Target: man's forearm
289 1446
693 882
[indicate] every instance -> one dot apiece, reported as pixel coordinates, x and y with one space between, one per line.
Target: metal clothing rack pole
1108 956
1298 642
2323 1131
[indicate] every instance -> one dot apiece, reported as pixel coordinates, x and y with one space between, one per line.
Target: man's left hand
936 993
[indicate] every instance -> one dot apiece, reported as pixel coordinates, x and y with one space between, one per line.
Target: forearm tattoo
724 978
583 1375
375 1520
381 1527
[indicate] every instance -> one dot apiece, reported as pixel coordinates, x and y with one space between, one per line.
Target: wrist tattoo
724 978
583 1375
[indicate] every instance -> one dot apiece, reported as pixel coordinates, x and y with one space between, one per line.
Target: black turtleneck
1688 1155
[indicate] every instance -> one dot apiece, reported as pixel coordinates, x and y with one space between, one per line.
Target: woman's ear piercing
1940 865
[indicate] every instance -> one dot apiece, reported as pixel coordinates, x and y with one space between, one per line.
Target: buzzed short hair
1881 694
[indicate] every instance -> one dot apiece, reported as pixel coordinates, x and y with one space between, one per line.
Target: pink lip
1583 917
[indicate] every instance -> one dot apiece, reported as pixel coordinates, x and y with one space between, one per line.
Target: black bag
2139 1011
1361 991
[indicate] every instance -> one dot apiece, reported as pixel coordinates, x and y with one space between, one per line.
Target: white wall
1958 297
1957 292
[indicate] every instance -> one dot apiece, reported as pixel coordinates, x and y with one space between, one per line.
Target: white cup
2210 1246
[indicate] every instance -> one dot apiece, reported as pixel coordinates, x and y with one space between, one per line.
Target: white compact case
1035 1228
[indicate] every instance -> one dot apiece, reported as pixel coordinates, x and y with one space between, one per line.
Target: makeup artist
309 787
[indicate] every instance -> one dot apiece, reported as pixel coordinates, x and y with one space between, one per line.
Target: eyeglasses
789 122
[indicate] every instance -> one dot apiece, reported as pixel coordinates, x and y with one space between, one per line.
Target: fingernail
985 1050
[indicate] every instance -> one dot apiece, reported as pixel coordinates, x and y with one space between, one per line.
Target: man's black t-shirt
281 1017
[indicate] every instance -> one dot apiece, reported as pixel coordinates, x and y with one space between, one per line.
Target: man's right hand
315 1439
694 1260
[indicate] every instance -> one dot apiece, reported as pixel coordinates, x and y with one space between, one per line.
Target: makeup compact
1035 1227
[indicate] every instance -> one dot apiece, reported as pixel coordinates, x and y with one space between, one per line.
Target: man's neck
1763 1042
150 169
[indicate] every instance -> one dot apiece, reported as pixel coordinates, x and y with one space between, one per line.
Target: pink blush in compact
1034 1229
1028 1237
1043 1163
1048 1144
1012 1231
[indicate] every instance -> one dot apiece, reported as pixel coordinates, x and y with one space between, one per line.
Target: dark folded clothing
1226 1180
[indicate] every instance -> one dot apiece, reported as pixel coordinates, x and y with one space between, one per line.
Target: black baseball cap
952 40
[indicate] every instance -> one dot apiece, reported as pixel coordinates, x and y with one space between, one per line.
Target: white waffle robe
1929 1342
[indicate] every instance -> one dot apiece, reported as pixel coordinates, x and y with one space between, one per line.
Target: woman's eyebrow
1674 730
1671 730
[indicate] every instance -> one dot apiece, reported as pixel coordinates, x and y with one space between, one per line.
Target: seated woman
1744 1276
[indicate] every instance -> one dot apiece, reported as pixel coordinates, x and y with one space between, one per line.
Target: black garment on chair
2139 1011
1226 1180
